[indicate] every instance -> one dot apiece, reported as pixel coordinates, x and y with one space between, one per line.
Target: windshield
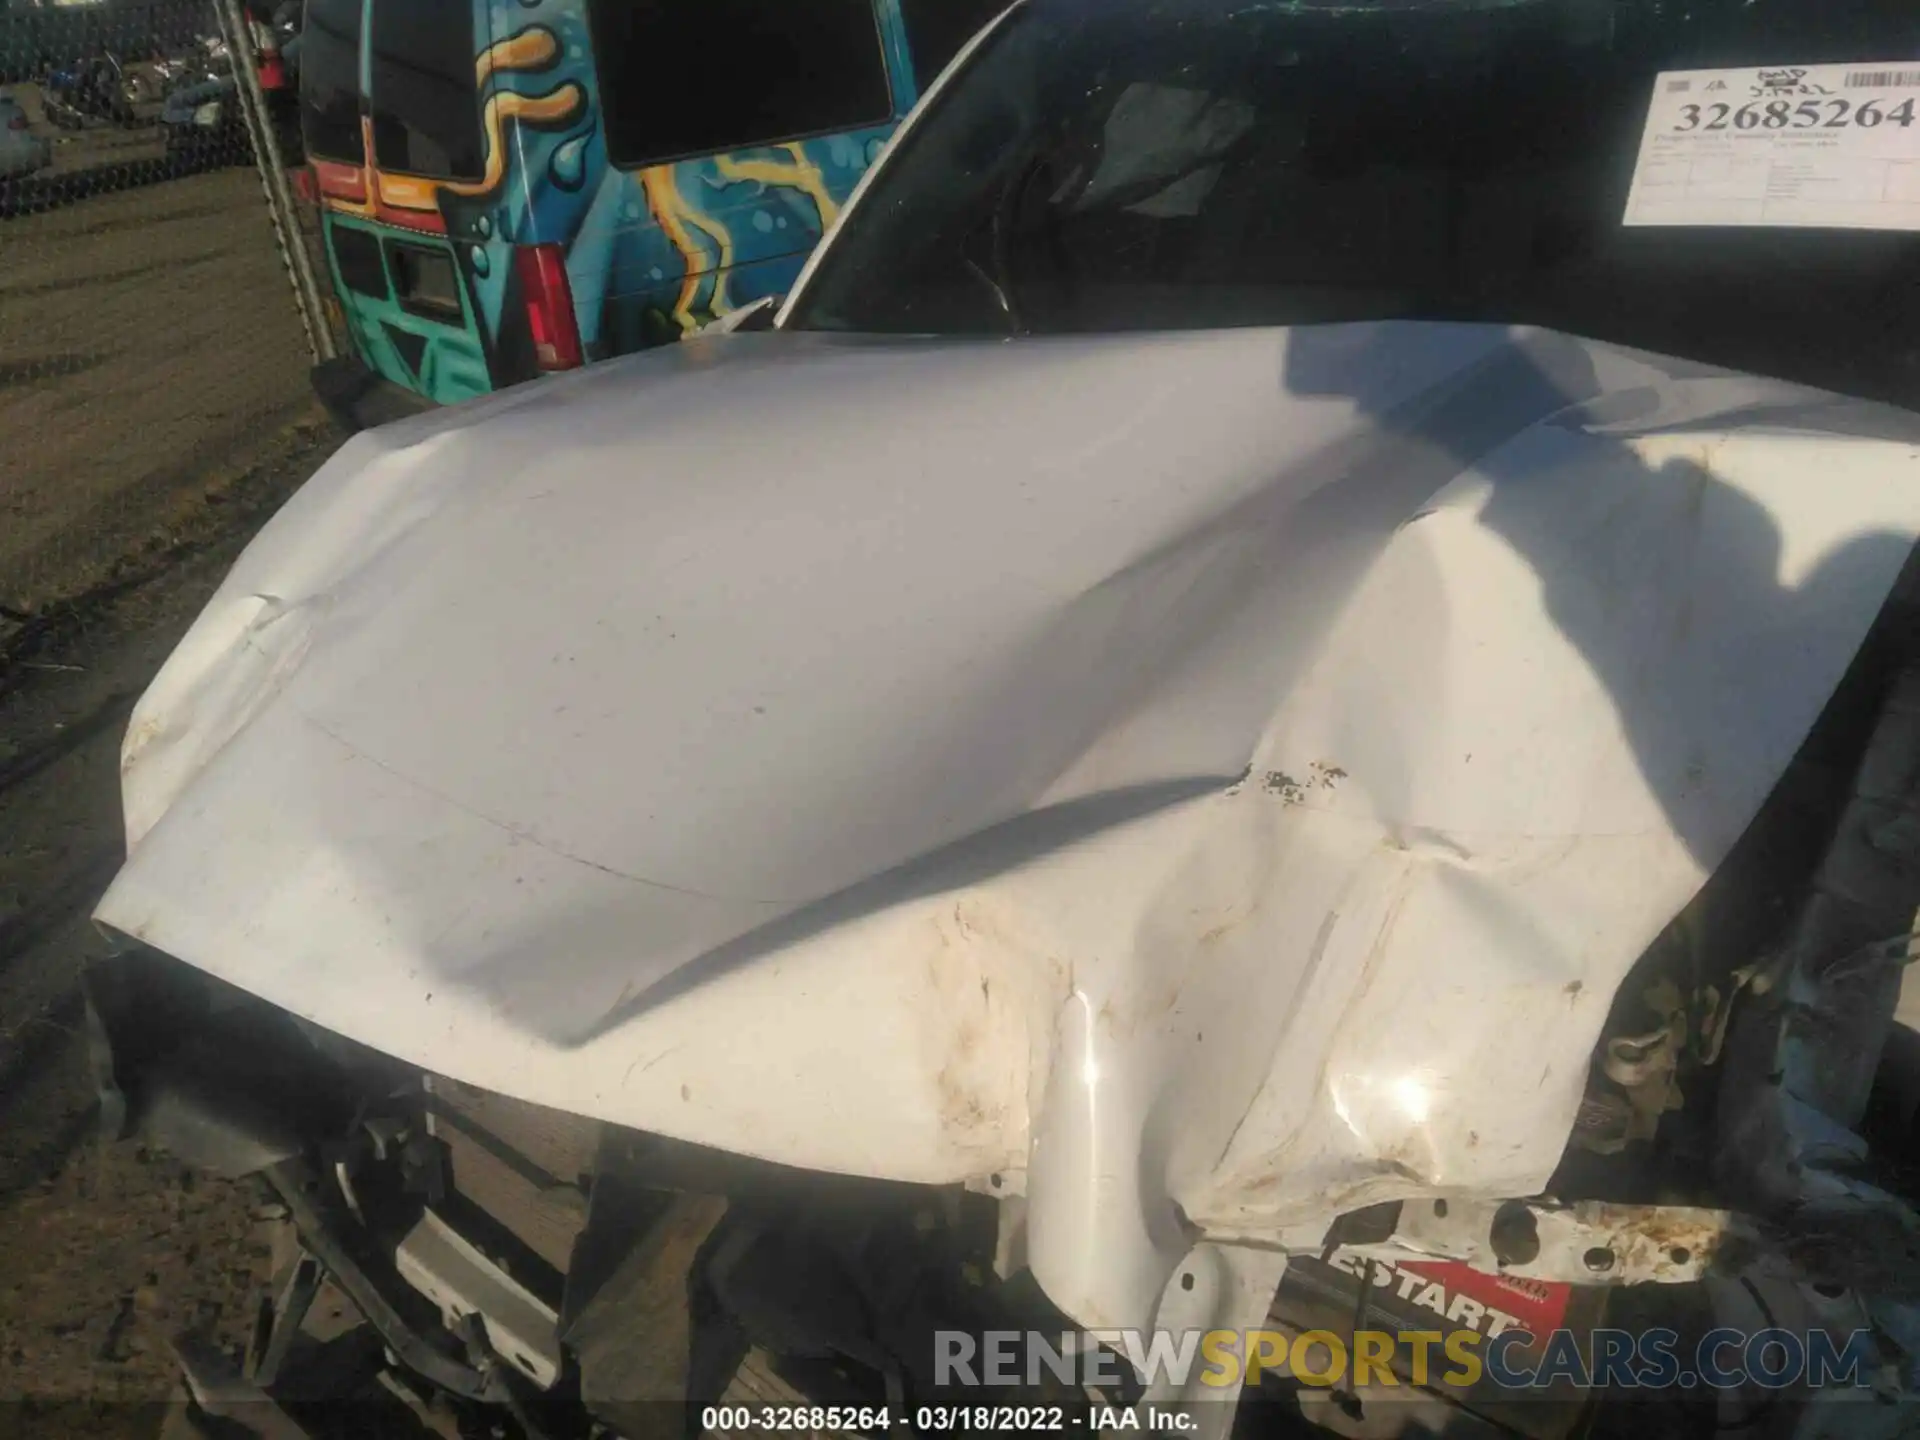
1179 163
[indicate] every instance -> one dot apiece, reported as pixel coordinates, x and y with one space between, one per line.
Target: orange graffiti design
529 50
553 108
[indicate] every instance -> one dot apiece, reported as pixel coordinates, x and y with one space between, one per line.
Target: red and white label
1461 1295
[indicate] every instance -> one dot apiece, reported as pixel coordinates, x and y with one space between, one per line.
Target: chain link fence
150 340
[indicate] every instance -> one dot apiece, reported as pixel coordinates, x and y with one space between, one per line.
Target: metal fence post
273 178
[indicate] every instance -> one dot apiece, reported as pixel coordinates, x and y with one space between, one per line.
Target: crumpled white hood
1221 775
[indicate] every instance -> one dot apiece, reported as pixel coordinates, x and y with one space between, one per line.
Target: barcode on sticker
1679 87
1882 79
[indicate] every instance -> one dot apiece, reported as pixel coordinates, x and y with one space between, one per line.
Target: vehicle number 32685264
1789 115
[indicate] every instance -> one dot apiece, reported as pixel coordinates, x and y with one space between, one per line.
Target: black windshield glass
1135 164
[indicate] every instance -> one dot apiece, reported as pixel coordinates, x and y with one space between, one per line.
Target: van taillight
543 276
18 120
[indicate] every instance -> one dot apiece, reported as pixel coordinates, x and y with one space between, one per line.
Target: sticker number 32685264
1816 146
1782 115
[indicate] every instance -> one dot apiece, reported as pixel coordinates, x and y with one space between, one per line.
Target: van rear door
410 314
390 112
727 183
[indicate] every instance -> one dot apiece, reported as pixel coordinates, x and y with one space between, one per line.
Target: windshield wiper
1010 206
999 294
999 278
998 274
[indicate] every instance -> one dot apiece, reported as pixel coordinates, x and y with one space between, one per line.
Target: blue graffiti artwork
651 252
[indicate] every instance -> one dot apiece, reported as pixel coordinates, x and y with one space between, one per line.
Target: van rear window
330 80
425 100
425 282
357 254
790 69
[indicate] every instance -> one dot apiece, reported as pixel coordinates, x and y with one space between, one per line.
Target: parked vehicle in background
204 123
145 81
90 90
204 126
199 59
516 190
276 38
37 37
21 151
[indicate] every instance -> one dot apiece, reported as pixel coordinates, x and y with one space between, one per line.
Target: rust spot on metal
141 736
1321 775
960 1111
1671 1231
1290 790
968 1101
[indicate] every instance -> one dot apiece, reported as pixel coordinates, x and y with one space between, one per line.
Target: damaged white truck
1286 690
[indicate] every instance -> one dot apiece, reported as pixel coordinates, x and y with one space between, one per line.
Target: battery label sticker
1815 146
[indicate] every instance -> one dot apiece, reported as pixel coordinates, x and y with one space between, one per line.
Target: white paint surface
1215 775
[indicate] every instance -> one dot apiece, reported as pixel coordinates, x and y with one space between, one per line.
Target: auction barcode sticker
1813 146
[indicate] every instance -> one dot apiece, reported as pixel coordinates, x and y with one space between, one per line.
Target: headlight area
214 1076
504 1261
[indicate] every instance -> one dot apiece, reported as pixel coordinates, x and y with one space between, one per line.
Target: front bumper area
515 1262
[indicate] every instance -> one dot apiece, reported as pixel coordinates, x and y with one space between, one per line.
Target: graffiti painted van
512 187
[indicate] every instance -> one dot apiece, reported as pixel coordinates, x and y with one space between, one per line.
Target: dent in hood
1213 759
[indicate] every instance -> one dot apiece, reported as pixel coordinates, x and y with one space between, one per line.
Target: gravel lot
147 339
155 408
105 1250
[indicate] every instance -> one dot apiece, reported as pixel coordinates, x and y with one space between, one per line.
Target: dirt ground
155 409
103 1250
147 338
